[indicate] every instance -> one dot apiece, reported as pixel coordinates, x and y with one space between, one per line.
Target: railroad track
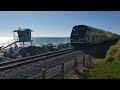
27 60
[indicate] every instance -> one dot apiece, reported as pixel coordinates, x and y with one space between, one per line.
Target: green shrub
113 53
108 58
100 61
109 70
117 55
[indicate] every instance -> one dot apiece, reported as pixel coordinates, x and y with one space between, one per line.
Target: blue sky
57 23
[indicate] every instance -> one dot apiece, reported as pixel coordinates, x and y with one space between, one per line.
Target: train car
83 35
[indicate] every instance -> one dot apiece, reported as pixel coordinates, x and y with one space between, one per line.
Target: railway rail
27 60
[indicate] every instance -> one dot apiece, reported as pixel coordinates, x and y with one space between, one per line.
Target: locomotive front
77 37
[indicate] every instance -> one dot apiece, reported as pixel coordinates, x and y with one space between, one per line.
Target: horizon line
31 36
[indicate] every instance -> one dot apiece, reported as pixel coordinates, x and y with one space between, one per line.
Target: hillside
109 67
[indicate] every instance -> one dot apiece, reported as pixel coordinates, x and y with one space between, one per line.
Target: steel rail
32 59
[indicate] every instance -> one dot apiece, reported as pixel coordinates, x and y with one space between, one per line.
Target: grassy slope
108 68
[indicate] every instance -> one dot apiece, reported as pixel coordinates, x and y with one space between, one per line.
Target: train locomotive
83 35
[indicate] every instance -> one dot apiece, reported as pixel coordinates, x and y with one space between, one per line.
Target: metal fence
59 71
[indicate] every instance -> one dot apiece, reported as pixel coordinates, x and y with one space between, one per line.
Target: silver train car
83 35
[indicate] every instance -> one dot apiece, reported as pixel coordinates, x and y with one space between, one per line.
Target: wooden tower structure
23 35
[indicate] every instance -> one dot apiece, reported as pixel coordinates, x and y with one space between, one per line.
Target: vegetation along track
23 61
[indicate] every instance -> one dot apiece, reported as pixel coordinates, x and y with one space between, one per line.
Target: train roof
94 28
88 27
79 25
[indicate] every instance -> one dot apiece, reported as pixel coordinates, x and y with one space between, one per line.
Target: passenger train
83 35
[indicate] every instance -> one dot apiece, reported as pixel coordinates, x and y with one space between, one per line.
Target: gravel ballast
27 71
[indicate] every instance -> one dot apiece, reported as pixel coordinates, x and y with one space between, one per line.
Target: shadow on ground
100 50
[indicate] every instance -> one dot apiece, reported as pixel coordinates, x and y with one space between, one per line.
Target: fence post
43 75
62 68
83 60
75 65
90 60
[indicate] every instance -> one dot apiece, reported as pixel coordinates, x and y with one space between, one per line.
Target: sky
57 23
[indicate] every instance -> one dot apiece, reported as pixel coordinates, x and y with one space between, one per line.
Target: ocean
47 40
37 40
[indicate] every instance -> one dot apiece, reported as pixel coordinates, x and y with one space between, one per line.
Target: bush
100 61
109 70
117 55
108 58
113 53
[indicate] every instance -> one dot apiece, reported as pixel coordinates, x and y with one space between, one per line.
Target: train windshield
78 32
77 36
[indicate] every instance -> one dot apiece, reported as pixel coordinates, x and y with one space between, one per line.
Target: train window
82 28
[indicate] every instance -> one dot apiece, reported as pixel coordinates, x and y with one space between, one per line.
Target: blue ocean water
4 41
47 40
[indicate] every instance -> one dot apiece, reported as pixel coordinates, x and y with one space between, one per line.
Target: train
83 35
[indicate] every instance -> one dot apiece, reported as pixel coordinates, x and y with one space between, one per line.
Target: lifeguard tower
23 35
